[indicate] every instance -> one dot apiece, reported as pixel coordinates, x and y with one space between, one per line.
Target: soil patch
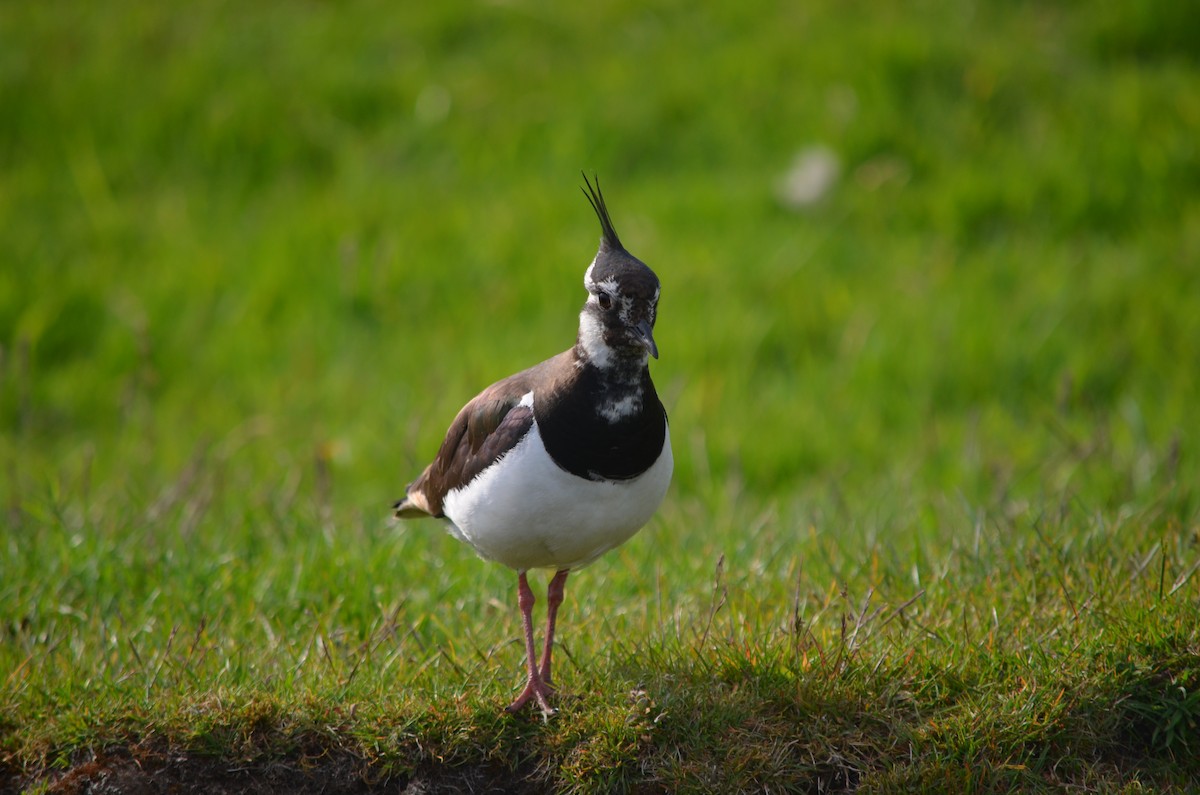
141 771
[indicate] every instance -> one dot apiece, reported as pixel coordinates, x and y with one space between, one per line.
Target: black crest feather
596 199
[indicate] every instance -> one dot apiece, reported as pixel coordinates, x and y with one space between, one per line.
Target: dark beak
645 335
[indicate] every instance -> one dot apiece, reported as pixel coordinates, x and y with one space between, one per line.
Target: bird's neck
619 389
614 363
615 367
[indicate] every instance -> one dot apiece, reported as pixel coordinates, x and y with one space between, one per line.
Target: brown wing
486 428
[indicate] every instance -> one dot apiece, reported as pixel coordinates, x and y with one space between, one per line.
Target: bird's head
616 325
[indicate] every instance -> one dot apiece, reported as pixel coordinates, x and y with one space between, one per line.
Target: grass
934 522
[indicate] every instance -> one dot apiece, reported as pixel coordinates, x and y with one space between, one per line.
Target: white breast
527 512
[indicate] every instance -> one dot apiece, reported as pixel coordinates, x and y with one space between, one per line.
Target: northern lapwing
556 465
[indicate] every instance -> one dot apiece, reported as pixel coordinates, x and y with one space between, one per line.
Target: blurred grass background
253 257
326 225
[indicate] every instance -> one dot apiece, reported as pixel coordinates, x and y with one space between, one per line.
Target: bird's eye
605 301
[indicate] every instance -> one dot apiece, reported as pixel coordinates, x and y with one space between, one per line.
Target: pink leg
554 598
534 687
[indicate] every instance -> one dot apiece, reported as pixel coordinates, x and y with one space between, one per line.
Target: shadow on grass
735 717
158 768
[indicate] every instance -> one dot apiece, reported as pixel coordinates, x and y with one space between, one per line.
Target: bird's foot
535 688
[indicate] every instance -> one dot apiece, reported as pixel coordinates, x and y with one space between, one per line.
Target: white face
603 302
588 284
591 336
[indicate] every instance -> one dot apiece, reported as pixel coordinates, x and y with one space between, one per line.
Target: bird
554 466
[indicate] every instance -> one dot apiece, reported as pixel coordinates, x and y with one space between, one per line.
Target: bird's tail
406 509
414 505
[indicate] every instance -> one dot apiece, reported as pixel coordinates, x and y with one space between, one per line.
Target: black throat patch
581 440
